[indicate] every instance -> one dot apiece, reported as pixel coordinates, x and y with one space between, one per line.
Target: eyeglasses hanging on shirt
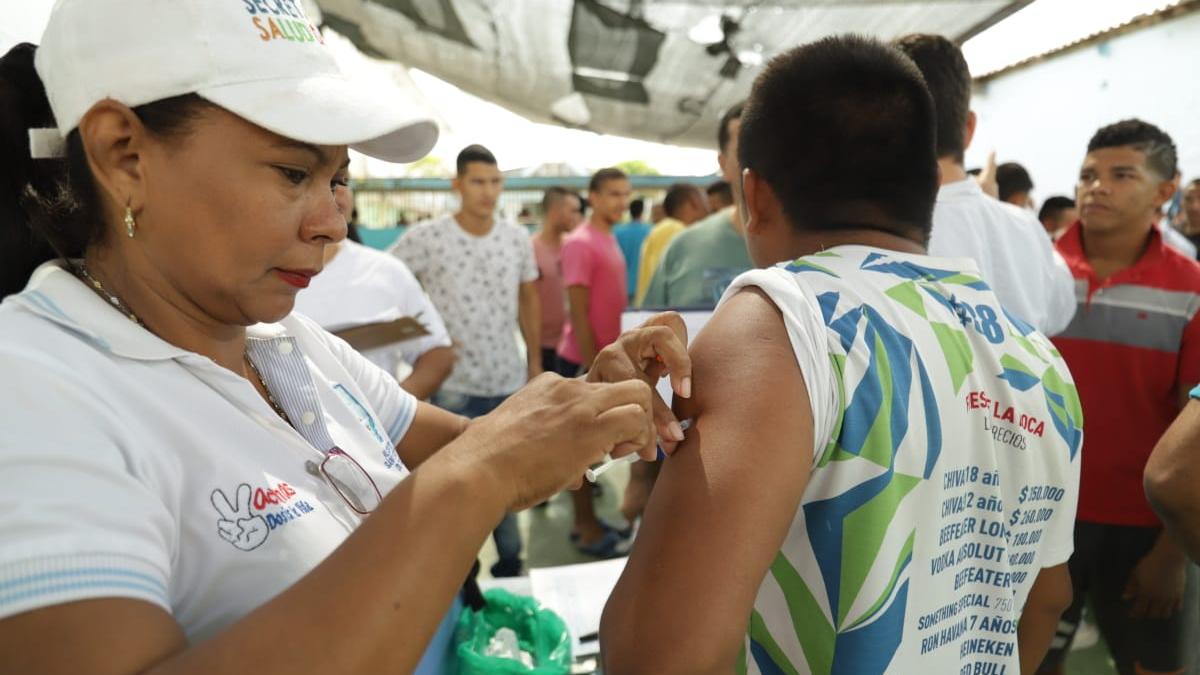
352 482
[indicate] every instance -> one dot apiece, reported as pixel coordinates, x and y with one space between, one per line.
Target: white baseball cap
262 60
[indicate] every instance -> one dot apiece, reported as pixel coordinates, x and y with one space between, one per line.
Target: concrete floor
1091 661
544 532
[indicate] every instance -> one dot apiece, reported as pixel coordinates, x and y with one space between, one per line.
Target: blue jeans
506 535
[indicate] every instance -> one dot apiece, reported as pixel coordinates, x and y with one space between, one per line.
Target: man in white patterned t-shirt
882 471
480 273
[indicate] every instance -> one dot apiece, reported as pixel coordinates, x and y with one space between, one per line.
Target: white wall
1043 115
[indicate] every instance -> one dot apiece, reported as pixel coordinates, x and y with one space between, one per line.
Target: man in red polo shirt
1134 349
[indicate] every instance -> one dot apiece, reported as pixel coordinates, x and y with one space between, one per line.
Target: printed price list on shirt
988 550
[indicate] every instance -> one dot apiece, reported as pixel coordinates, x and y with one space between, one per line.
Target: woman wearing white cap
187 470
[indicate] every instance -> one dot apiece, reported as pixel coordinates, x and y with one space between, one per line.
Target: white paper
514 585
578 594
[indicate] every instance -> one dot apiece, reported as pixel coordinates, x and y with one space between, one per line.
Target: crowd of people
227 425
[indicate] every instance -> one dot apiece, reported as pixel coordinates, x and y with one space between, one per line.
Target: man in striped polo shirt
1134 349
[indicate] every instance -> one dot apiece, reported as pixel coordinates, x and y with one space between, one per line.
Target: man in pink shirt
593 271
561 212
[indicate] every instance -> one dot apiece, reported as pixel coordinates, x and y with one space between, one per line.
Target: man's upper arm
1171 475
724 501
578 299
431 429
529 302
529 269
527 291
1188 372
1051 589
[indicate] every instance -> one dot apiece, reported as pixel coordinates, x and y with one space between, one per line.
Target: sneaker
627 537
605 547
1087 635
506 568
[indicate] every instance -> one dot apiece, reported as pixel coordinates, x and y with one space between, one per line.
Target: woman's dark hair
50 208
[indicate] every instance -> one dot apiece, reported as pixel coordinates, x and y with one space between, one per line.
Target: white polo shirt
133 468
360 286
1013 252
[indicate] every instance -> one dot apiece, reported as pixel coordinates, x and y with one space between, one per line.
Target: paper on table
514 585
578 593
693 319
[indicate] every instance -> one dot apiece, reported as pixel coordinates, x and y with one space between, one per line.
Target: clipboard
382 334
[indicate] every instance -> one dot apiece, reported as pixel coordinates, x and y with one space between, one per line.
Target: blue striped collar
57 295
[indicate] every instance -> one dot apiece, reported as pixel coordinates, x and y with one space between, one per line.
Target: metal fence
390 203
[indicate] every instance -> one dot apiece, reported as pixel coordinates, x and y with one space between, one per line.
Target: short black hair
841 124
678 195
1053 206
555 194
733 113
473 153
603 176
1146 138
721 187
945 70
1012 178
636 208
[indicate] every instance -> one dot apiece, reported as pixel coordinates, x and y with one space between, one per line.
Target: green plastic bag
540 632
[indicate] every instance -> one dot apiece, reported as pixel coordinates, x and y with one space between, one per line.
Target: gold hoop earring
130 224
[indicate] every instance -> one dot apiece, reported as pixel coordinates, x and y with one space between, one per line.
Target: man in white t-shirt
1014 253
480 273
361 286
882 470
1176 239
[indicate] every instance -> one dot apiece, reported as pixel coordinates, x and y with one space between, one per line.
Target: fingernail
685 387
676 431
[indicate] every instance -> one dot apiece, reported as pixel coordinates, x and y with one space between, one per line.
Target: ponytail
23 181
50 208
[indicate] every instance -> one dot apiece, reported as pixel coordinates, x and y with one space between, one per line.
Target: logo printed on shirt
999 420
249 518
391 460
